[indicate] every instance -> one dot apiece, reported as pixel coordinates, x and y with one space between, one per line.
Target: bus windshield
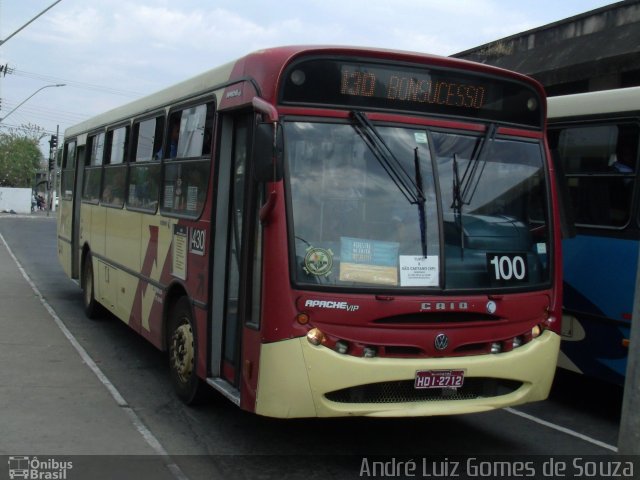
355 226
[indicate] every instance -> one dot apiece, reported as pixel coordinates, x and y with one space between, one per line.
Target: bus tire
91 305
183 352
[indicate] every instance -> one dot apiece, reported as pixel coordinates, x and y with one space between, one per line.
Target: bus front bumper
295 378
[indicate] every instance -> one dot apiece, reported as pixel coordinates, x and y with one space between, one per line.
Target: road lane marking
148 436
559 428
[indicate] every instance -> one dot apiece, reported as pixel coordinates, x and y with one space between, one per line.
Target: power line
37 115
22 120
57 115
26 128
74 83
47 112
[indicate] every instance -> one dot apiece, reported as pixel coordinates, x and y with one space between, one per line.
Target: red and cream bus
325 231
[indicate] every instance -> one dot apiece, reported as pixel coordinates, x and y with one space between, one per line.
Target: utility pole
53 170
629 436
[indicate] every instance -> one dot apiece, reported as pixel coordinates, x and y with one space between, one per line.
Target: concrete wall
16 199
596 50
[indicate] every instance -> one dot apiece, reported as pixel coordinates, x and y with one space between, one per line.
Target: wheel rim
182 352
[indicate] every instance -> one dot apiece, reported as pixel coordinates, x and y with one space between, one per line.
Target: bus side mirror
268 152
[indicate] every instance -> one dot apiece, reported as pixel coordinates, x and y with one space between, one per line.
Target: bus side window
186 170
600 164
144 169
115 171
93 169
68 171
173 136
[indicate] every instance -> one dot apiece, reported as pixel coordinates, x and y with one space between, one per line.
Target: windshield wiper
422 217
473 172
411 188
405 183
457 203
465 188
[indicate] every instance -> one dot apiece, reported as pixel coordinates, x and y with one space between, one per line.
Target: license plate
439 379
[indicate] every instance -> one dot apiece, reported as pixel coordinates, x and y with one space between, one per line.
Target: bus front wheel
183 352
91 306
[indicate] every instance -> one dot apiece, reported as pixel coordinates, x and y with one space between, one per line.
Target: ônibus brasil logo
36 469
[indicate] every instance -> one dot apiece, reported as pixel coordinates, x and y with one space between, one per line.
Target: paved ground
51 402
52 405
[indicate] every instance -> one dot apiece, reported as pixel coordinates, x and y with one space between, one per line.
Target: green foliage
20 157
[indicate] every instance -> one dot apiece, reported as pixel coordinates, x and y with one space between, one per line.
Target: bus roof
594 103
188 88
264 67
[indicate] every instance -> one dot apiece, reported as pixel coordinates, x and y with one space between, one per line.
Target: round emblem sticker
318 261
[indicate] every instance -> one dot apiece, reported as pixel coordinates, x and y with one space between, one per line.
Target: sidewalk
34 214
51 402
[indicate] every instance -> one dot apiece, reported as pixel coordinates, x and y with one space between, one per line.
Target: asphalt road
580 418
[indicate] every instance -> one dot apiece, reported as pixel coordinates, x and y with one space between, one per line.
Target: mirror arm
267 208
266 108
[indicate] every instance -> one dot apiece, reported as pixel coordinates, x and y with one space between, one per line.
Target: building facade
596 50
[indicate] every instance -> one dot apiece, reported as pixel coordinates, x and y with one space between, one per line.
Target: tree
20 156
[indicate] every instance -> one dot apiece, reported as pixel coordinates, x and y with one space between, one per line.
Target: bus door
77 200
235 295
70 195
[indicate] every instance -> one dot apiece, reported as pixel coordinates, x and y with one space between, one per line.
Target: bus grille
403 391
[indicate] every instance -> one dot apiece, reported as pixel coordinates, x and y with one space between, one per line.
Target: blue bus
594 139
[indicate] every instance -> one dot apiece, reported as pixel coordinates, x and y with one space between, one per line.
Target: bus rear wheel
91 305
183 349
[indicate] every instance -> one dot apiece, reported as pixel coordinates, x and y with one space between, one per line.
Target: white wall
16 199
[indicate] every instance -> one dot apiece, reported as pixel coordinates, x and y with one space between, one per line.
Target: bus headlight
536 331
496 347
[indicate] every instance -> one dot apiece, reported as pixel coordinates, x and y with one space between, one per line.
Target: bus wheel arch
172 295
182 347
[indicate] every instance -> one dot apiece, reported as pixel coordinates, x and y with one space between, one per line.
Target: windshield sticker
418 271
368 261
421 137
318 261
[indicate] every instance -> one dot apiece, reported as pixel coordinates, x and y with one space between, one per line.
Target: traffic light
53 144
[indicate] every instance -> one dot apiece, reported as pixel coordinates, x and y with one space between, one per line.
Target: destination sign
403 87
400 87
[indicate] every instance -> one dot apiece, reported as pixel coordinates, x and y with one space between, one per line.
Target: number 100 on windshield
507 268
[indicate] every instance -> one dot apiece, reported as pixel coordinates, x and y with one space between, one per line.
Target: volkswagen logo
491 307
441 341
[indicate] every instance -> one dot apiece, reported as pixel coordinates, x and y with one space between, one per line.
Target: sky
110 52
